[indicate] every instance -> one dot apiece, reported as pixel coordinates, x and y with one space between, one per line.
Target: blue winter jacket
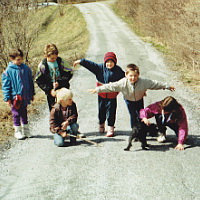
104 75
18 80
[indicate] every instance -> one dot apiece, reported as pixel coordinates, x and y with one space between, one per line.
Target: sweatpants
107 110
19 116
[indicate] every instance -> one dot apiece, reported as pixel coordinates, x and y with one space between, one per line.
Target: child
167 112
134 89
53 73
107 102
18 91
63 118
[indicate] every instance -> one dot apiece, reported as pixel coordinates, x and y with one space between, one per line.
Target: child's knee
74 127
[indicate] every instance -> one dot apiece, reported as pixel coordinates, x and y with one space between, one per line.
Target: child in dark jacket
53 73
18 91
63 118
107 102
167 112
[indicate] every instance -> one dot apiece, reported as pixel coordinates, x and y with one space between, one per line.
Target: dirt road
36 169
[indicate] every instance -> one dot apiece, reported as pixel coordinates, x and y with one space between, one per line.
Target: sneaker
18 133
161 138
110 132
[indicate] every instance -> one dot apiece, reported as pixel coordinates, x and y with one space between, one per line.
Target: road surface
36 169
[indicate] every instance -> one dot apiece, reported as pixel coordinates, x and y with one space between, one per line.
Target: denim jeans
134 110
72 129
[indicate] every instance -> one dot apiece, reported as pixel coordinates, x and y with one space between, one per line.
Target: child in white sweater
134 89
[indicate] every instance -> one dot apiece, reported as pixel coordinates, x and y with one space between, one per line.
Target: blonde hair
63 94
50 49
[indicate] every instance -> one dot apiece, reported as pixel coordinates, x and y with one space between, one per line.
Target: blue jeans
134 110
72 129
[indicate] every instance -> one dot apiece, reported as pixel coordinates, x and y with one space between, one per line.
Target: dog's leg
131 137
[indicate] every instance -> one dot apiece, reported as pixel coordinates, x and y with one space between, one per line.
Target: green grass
63 26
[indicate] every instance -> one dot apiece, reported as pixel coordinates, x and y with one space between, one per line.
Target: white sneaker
161 138
26 130
18 134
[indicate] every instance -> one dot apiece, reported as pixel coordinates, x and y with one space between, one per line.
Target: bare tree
17 28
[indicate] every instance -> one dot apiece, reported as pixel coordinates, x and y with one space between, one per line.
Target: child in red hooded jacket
105 72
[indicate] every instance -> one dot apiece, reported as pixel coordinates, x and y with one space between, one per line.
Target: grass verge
62 25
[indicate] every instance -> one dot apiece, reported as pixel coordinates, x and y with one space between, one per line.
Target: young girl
105 73
168 112
53 73
63 118
134 89
18 91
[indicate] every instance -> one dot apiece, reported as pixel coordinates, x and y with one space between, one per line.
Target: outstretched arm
92 91
77 62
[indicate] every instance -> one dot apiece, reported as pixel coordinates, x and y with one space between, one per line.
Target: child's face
110 64
132 76
52 58
17 61
67 102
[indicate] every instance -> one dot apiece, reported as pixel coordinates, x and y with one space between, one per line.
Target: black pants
134 110
51 101
107 110
162 126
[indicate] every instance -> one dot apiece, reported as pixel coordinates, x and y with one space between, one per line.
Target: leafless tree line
17 28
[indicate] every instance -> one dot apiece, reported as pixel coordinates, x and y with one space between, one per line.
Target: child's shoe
110 132
18 133
26 130
72 140
161 138
102 128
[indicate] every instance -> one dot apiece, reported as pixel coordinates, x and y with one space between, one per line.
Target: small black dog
139 132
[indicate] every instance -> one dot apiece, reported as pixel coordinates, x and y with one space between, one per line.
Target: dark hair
15 53
132 67
50 49
170 104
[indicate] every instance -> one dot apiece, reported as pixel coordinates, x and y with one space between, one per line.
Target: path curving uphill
36 169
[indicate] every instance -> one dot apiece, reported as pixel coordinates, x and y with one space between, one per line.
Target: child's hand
179 147
77 62
63 134
55 85
146 121
53 93
64 125
92 91
172 88
9 103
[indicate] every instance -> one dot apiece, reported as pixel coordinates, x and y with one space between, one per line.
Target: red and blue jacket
104 75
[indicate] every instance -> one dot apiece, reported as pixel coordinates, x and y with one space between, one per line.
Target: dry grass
68 31
171 26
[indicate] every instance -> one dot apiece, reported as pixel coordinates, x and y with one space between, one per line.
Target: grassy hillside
63 26
172 27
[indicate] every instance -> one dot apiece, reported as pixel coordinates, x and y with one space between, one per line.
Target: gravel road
35 169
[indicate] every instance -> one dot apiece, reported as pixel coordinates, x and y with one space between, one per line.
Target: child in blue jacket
107 102
18 91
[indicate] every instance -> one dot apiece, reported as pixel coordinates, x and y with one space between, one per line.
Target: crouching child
63 118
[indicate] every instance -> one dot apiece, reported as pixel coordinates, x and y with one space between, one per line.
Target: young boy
63 118
53 73
18 91
134 89
107 102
